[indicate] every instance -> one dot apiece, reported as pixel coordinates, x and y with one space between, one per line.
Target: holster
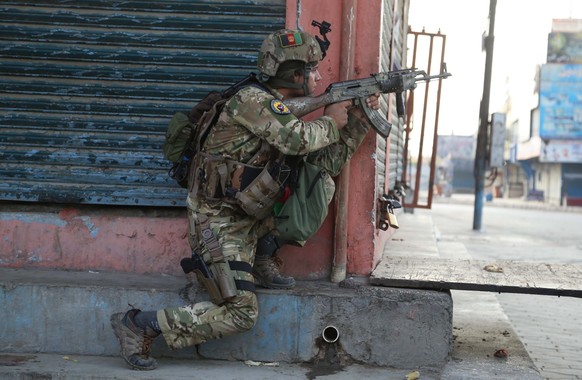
227 279
211 287
222 278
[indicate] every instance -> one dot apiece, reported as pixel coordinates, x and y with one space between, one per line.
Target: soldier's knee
246 312
248 321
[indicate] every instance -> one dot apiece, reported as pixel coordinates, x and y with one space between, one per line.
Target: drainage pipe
348 47
330 334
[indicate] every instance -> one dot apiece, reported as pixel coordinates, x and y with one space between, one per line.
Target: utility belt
222 278
254 189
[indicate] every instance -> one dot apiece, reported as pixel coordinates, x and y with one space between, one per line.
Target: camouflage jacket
253 115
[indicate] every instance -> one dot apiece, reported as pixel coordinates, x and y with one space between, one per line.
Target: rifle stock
385 83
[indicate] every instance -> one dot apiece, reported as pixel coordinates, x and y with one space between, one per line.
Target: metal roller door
389 152
88 87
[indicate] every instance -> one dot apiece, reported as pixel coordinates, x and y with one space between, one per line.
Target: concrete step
67 313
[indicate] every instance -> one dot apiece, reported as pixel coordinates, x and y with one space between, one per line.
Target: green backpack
183 133
181 137
178 136
304 211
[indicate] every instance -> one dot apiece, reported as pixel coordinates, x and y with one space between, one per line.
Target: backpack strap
206 121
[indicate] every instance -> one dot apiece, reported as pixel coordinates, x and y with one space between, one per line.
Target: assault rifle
359 89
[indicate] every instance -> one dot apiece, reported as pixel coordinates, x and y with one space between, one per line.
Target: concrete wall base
68 313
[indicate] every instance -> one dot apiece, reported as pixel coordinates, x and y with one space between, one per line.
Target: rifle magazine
379 123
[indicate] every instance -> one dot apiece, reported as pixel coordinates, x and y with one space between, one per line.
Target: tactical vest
216 178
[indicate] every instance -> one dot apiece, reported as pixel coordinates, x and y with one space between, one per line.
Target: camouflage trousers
203 321
195 324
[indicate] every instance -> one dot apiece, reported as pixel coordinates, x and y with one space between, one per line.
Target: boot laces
268 267
276 261
147 345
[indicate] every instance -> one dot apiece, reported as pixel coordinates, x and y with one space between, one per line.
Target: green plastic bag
306 208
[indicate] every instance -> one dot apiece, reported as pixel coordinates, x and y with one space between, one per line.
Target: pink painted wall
77 239
141 241
365 243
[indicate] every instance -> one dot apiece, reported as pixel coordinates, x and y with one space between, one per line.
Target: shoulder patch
279 107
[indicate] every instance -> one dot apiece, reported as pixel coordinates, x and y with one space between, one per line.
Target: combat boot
266 272
135 342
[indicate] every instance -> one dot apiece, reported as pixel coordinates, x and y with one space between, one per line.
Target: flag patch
291 39
279 107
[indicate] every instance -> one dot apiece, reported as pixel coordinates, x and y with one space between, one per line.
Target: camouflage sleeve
271 120
334 157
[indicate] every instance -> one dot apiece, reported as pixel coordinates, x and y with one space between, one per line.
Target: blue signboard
561 101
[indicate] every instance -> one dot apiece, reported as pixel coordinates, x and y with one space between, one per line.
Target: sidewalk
480 327
69 367
548 326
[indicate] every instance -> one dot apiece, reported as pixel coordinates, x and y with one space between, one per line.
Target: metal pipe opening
330 334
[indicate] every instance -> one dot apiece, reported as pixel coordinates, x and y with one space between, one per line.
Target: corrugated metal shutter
87 89
572 184
393 34
400 28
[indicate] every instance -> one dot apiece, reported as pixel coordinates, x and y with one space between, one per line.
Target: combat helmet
291 46
287 45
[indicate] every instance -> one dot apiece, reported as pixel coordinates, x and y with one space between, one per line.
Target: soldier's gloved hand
338 112
372 101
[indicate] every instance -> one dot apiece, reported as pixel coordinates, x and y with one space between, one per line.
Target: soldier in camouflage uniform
254 128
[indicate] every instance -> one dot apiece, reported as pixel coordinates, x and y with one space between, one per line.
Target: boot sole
275 286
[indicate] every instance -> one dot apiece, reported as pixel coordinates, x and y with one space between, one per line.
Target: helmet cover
287 45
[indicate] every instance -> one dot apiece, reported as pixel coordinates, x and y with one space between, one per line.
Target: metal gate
424 103
88 87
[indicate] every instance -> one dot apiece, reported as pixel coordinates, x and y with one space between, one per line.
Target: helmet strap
306 72
263 78
277 82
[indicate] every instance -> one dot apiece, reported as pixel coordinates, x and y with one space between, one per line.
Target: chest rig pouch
254 189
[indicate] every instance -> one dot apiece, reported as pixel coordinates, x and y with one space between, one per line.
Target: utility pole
481 152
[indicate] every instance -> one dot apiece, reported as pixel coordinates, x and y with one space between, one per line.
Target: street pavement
549 327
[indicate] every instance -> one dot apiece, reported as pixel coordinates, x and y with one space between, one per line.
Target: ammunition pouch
254 189
259 197
208 176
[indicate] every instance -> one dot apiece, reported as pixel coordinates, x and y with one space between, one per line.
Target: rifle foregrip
400 104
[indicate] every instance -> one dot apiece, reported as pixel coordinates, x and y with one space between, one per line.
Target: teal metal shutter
87 89
389 157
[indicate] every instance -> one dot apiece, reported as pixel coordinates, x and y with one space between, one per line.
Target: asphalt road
549 327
